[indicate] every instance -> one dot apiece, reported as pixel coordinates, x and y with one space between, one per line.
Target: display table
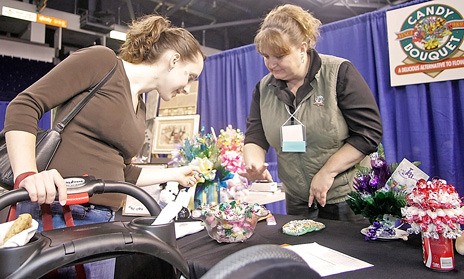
391 259
264 197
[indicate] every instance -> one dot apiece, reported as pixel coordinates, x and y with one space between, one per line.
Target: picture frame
172 130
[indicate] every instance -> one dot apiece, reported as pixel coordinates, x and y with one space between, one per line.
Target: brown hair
150 36
284 26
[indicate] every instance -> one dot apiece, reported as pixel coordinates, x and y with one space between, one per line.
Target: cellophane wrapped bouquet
434 208
374 199
219 158
230 143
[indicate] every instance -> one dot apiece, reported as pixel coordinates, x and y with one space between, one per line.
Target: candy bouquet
232 221
374 199
434 209
230 143
218 158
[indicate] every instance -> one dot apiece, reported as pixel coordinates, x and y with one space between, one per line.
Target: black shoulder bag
47 140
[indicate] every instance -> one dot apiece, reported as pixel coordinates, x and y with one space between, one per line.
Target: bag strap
47 223
62 124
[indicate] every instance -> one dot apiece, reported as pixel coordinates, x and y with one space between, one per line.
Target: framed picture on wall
172 130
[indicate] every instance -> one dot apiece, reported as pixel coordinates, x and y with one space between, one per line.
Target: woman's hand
346 157
320 185
187 176
43 186
254 173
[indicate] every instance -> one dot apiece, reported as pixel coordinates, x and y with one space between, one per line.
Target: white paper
326 261
406 176
173 208
186 228
132 206
263 186
19 239
292 133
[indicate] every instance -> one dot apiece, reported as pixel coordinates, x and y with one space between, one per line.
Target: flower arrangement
218 158
374 199
434 209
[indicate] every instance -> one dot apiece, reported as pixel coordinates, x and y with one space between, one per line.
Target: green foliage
376 205
372 199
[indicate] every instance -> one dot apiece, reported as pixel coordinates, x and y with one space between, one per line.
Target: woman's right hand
43 186
254 173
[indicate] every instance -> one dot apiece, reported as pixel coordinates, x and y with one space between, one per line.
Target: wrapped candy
373 179
230 142
434 208
373 198
232 221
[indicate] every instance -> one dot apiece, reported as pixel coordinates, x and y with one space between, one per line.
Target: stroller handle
89 186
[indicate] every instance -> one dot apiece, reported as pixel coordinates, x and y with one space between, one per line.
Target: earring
174 63
302 58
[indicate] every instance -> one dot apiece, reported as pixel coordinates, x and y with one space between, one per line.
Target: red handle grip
78 198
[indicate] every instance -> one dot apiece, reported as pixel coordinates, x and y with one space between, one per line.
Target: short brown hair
284 26
150 36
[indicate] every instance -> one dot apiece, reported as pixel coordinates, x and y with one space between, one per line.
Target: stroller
49 250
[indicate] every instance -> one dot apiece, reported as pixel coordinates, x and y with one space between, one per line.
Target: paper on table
186 228
326 261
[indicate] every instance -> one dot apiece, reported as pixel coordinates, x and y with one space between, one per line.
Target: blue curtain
44 122
422 122
225 91
226 85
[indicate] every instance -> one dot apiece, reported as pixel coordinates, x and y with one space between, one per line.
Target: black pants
338 211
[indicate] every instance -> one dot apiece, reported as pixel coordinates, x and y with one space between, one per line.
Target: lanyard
293 136
292 115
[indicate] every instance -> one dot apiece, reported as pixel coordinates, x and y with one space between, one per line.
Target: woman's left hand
320 185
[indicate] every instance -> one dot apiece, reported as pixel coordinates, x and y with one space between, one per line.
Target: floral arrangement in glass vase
374 199
219 159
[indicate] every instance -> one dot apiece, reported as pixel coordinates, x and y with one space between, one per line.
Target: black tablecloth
391 259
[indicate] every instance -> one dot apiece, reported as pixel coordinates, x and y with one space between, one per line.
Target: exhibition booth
422 121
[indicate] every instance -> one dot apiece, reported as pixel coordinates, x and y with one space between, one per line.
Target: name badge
293 138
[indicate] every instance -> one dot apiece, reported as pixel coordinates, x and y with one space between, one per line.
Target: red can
438 253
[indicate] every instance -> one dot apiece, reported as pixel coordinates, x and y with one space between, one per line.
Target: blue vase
206 193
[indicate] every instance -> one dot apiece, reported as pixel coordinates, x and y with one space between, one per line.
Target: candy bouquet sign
434 210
